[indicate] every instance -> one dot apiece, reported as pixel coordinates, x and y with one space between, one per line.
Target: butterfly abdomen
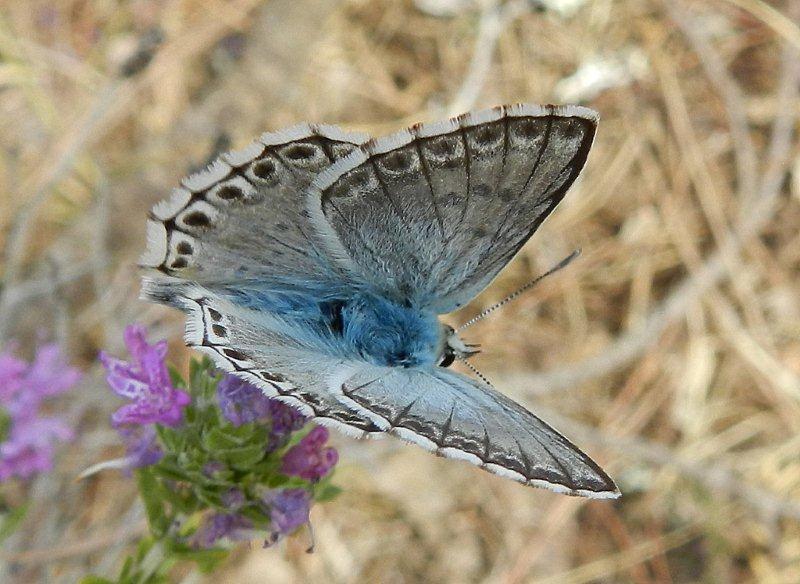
386 333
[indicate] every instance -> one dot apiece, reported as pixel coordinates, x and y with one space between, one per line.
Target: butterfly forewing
244 218
430 215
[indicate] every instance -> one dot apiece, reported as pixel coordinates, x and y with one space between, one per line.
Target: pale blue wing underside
446 413
431 214
284 359
458 417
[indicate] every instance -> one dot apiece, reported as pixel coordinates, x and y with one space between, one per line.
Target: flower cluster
216 459
28 437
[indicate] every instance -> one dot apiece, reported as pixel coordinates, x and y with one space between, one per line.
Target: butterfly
315 264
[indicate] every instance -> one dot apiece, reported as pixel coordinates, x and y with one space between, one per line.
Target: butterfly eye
447 359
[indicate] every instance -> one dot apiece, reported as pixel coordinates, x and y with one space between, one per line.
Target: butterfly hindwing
458 417
431 214
281 358
446 413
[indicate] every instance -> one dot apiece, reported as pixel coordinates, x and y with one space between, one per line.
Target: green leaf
276 480
326 491
5 425
170 471
151 493
257 514
11 520
210 497
175 377
243 458
195 369
171 439
125 574
219 439
206 559
92 579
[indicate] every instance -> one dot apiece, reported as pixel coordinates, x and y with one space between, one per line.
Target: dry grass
670 350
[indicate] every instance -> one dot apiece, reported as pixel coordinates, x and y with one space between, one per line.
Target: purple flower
212 468
28 447
145 381
23 386
233 499
12 372
289 510
284 418
309 459
241 402
221 525
141 446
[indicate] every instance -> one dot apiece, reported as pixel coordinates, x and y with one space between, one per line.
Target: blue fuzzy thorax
360 325
386 333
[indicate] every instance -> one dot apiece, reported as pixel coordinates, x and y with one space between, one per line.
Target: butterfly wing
431 214
242 222
458 417
281 356
444 412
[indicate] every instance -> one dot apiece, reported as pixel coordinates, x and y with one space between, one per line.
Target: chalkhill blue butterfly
315 263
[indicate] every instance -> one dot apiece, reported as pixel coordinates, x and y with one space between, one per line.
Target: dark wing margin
242 342
456 417
431 214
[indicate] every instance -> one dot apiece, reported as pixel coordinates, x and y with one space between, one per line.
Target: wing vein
426 172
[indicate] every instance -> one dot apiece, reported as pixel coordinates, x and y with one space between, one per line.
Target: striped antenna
563 263
478 373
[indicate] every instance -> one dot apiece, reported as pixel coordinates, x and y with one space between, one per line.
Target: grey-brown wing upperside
431 214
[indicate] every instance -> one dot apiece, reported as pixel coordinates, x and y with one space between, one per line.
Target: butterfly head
454 348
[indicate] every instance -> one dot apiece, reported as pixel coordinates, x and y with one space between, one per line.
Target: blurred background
670 351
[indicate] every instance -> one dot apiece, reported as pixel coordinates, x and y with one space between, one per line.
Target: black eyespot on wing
234 354
488 134
265 170
397 161
230 193
267 376
197 219
300 152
